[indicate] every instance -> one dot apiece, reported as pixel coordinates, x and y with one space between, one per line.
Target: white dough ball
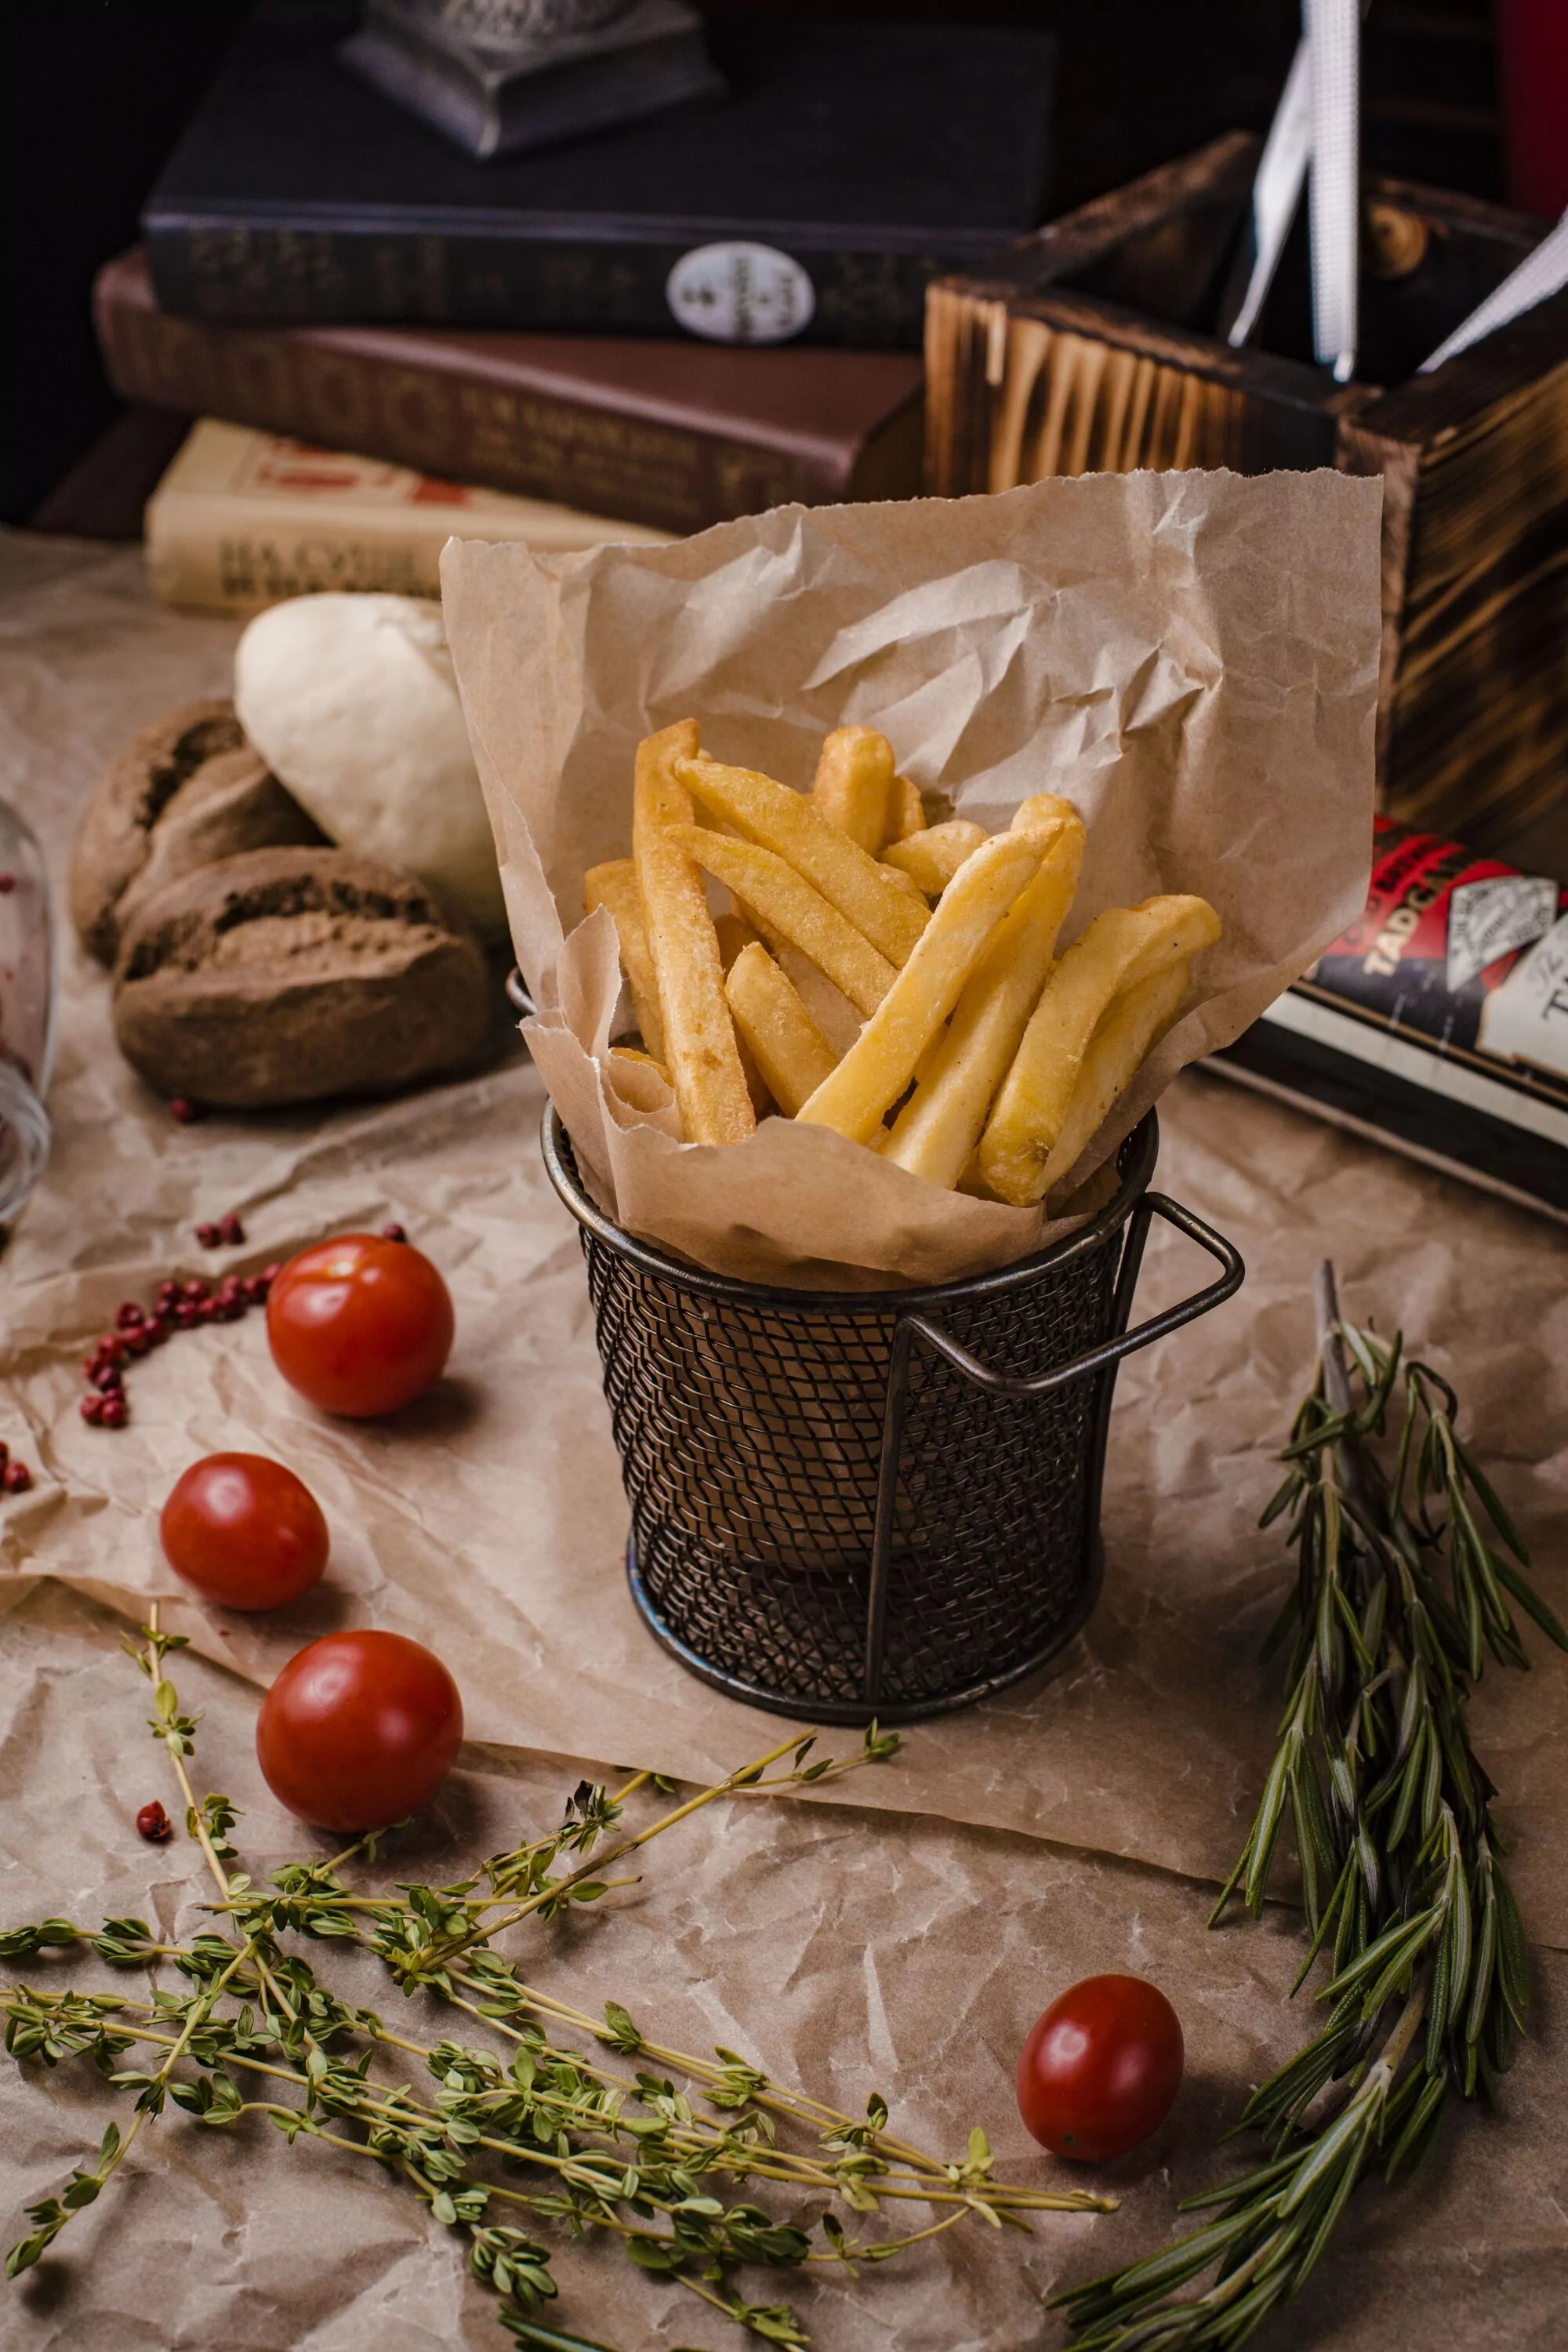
353 703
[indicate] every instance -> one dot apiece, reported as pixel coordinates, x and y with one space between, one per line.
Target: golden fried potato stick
789 1048
784 906
734 933
838 1019
615 885
1129 1028
1047 809
1120 948
659 796
852 787
881 1064
699 1045
908 811
935 1134
931 858
633 1060
837 868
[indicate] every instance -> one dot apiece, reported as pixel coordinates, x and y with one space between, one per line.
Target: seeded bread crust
184 792
291 975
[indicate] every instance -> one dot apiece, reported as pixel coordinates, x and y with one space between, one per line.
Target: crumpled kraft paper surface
489 1518
1131 641
836 1946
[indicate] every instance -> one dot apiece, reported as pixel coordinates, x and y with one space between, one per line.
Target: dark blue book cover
847 165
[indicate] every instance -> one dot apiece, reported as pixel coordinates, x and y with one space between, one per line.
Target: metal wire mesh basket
843 1507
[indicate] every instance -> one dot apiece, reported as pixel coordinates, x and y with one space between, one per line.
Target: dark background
96 92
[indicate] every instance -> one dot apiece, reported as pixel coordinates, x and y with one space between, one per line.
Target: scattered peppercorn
231 1232
153 1824
393 1233
7 883
181 1307
208 1236
187 1113
15 1478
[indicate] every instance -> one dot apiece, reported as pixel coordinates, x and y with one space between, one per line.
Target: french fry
1121 948
790 1050
615 885
783 905
699 1045
906 882
659 796
734 933
935 1134
1043 811
1131 1026
908 814
630 1058
852 787
837 868
881 1064
838 1019
931 858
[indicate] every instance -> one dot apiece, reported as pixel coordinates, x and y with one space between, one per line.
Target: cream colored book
242 519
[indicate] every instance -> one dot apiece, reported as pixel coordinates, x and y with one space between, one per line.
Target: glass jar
26 1011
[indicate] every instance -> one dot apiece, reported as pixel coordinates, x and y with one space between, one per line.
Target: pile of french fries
895 981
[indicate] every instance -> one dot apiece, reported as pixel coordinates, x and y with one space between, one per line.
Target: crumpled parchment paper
900 1938
489 1519
1131 641
837 1947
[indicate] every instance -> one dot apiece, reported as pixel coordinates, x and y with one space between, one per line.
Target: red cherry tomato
360 1326
359 1729
1100 2069
245 1531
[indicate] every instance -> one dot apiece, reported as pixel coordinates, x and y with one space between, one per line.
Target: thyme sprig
1406 1572
592 2125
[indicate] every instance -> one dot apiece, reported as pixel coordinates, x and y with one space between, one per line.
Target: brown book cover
673 435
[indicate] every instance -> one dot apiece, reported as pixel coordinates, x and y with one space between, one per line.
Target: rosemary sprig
651 2153
1405 1572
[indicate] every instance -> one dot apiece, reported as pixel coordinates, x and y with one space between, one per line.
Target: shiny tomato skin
244 1531
1102 2068
360 1325
360 1728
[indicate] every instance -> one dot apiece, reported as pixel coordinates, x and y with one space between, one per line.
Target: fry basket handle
1101 1359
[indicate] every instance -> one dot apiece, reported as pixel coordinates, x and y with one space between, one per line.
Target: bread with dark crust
186 790
290 975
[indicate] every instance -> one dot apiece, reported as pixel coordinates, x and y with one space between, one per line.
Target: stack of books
711 311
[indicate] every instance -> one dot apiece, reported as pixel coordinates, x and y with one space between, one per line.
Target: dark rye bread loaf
284 975
186 790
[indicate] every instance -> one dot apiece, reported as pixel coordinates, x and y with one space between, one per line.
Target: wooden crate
1087 348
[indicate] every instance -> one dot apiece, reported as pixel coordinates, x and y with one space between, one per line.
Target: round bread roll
353 703
289 975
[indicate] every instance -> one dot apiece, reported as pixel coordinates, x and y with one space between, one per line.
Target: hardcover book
847 165
673 435
243 519
1439 1022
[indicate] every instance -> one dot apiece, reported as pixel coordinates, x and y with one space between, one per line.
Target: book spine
267 275
204 561
465 427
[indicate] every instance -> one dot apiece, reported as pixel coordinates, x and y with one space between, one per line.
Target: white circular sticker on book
740 293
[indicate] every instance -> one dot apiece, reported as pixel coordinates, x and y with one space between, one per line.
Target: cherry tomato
1100 2071
359 1729
245 1531
360 1326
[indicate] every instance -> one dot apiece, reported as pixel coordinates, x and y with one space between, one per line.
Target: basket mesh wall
749 1435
